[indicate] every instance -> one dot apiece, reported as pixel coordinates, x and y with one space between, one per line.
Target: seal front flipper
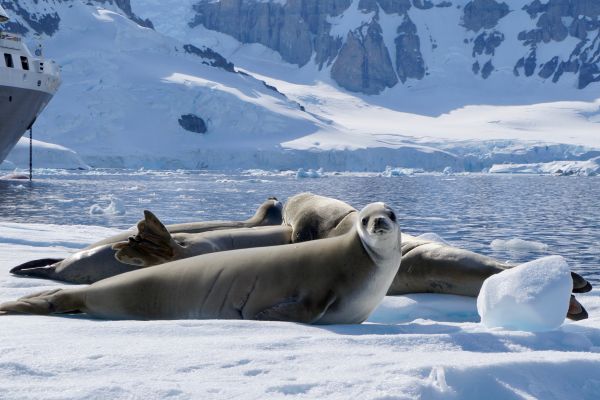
42 268
152 245
297 310
57 301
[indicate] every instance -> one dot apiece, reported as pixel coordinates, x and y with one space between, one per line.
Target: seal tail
152 245
580 284
43 268
57 301
576 311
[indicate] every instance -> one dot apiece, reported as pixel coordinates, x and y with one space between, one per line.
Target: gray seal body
338 280
269 213
153 245
98 261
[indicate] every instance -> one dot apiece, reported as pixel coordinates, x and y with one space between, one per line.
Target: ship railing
10 36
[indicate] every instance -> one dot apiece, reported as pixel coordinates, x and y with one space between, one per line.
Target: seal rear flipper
296 310
42 268
57 301
576 311
580 284
152 245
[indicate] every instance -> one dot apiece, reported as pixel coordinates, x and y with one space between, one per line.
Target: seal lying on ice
339 280
98 261
427 266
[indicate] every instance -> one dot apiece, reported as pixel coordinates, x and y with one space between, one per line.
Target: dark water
468 211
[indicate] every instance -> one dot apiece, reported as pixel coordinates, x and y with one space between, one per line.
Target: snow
530 297
417 346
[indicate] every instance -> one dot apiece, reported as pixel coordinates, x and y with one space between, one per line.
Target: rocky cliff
371 45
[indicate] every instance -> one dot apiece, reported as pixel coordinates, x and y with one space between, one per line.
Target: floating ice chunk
530 297
432 237
115 207
518 245
302 173
391 172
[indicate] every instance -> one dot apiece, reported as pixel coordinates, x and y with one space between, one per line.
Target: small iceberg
393 172
115 207
531 297
312 174
518 245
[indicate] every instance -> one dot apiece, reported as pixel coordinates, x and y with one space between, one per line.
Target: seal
317 217
427 266
306 217
152 245
269 213
82 267
337 280
433 267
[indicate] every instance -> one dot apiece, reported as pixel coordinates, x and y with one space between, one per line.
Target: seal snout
381 225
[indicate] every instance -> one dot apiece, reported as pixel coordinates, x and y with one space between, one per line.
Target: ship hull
19 107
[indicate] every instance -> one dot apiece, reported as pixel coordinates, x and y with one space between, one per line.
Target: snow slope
478 121
126 87
418 346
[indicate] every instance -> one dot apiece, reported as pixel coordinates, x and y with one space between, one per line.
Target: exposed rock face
296 28
192 123
42 23
483 14
364 63
370 45
46 23
210 57
409 60
555 21
303 30
125 5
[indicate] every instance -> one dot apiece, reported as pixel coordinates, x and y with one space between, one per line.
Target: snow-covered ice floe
418 346
589 167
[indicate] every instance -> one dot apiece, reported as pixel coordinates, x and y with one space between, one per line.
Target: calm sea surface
467 211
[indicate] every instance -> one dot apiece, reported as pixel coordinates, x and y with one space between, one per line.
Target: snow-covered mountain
134 97
370 45
339 84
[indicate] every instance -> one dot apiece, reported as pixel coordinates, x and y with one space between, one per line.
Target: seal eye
365 221
392 216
